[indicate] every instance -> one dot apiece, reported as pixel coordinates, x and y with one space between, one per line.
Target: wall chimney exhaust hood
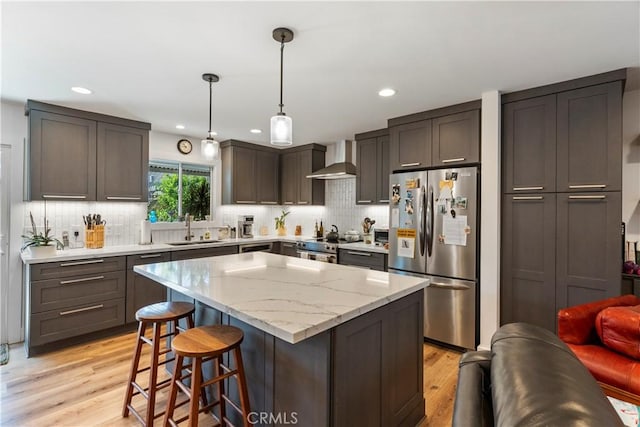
342 166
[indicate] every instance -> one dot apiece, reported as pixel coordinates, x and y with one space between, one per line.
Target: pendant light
210 145
281 124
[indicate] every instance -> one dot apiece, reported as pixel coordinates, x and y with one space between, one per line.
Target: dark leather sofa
529 378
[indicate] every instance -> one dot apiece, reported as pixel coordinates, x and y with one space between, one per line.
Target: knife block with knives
93 232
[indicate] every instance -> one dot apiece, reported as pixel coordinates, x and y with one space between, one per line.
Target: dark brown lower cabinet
589 258
289 249
528 290
142 291
558 250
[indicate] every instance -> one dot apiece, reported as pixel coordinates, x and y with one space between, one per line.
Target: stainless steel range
318 250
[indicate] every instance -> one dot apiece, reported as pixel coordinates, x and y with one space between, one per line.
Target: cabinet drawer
53 270
203 252
73 321
60 293
372 260
147 259
289 249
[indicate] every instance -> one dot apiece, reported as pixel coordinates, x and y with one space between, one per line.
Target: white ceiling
145 60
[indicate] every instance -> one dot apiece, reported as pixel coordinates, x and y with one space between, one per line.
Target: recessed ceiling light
255 131
387 92
179 126
82 90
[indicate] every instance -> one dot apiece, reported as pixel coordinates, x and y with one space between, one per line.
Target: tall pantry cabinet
561 202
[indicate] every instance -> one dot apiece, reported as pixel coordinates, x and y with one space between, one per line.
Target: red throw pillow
619 329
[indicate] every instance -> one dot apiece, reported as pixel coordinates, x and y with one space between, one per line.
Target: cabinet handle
364 201
359 253
123 198
56 196
288 203
384 200
71 264
406 165
150 256
250 202
528 197
527 188
79 310
459 159
588 197
288 245
588 186
86 279
439 285
268 203
303 203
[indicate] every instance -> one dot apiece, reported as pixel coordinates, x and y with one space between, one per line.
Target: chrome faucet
187 223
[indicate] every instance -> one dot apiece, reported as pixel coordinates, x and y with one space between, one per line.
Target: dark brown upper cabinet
123 157
297 163
588 247
528 279
249 173
529 145
448 136
372 164
289 178
456 139
410 145
62 157
590 138
80 155
268 171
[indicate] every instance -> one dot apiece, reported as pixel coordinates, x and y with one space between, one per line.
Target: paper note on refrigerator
406 247
455 230
395 217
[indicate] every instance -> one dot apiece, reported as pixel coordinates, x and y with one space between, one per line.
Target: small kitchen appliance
245 226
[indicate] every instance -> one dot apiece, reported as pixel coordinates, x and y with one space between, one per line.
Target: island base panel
367 371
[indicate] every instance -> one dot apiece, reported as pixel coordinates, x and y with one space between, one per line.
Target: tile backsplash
340 209
123 219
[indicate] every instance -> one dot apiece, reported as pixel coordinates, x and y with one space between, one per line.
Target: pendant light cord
281 70
210 102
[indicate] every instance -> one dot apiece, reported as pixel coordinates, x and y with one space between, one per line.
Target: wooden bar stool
155 315
203 344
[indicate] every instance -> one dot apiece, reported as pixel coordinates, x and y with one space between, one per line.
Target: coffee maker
245 226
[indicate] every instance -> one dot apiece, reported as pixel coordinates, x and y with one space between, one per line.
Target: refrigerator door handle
448 286
421 231
430 221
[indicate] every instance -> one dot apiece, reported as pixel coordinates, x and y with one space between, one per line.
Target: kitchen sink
193 242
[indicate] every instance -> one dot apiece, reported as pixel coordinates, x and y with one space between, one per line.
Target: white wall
631 164
490 217
14 132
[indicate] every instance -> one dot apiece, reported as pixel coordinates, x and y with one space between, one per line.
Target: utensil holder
94 237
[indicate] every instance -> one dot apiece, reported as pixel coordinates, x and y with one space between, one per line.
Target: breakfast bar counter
325 345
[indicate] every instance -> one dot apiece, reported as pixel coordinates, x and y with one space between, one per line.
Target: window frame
180 166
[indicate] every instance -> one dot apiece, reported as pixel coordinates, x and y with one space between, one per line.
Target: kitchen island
325 345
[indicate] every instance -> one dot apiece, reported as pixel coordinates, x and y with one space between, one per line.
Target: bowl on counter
352 236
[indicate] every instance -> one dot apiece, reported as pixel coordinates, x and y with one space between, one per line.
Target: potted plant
40 244
280 228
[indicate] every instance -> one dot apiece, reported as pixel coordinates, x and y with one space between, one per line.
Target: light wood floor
84 385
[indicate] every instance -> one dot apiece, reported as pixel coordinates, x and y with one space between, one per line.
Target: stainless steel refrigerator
433 231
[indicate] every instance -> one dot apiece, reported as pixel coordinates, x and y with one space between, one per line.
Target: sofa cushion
537 381
610 367
619 329
576 325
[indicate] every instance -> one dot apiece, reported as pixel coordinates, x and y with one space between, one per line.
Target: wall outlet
79 237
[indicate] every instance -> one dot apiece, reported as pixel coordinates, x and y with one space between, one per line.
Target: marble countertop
290 298
84 253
